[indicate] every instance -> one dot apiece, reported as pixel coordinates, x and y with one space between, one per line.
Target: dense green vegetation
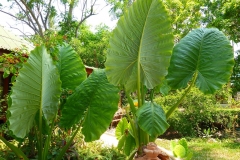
199 112
185 67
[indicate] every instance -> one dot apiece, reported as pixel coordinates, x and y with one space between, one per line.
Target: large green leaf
96 100
71 69
205 52
141 44
152 119
36 90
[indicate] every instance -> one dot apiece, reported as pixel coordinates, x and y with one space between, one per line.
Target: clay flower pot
153 152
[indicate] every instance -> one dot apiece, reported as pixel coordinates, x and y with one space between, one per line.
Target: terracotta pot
153 152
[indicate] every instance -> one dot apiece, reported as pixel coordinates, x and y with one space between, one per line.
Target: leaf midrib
139 51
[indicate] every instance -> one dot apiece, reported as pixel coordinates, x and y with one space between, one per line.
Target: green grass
210 149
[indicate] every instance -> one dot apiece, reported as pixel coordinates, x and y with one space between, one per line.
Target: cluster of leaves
51 41
12 62
223 14
69 69
185 16
91 46
68 29
119 7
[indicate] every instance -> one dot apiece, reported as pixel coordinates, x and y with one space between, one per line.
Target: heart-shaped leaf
36 90
205 53
141 46
95 100
152 119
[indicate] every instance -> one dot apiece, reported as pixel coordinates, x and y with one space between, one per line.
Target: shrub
227 117
198 113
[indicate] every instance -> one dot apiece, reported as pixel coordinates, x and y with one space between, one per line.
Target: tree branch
84 16
27 23
25 35
48 11
30 22
34 17
41 17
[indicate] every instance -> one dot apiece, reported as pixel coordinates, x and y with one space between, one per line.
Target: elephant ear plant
36 100
142 56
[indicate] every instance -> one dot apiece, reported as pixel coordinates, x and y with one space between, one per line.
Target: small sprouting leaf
179 151
121 142
129 145
121 128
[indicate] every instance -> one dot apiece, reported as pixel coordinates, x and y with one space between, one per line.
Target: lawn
210 149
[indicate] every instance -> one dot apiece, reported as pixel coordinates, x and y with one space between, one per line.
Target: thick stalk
134 128
170 111
48 140
132 120
40 139
130 101
139 93
132 154
144 136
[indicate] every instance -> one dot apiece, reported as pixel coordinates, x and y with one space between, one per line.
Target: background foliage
199 112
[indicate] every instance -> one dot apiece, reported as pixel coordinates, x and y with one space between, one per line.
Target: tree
119 7
185 15
43 15
235 78
224 15
92 46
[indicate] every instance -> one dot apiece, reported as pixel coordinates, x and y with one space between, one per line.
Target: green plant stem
16 150
172 109
134 128
139 84
143 93
132 154
48 140
130 101
40 148
64 149
152 95
143 135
